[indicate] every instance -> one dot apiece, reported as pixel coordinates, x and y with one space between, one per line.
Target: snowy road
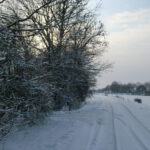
104 123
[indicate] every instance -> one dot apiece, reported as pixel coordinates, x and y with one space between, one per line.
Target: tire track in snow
135 118
87 138
134 135
129 128
116 146
94 134
140 125
93 137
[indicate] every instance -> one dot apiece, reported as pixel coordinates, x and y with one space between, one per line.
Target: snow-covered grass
145 99
63 130
113 122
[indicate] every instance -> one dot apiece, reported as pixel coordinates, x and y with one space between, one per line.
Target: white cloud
129 18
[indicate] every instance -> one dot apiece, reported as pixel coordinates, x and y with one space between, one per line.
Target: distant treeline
130 88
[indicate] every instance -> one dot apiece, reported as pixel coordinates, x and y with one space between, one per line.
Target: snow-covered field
113 122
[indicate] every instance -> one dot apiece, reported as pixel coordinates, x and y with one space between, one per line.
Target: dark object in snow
138 100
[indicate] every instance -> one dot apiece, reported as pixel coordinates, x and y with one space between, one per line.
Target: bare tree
71 38
48 50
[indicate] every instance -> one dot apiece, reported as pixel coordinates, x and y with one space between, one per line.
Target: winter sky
127 23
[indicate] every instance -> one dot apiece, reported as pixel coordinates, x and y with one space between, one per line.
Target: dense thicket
47 52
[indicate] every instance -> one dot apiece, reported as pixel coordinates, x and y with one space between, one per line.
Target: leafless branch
34 12
2 1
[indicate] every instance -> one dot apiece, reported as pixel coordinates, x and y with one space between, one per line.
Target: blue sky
127 23
116 6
